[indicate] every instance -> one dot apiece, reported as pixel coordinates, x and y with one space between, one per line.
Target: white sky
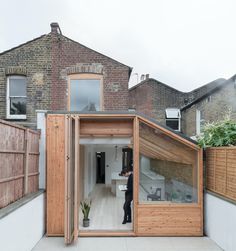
182 43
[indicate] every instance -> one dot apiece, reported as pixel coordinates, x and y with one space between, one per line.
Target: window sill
16 117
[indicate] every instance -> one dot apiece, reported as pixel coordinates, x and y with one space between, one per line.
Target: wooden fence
19 162
221 171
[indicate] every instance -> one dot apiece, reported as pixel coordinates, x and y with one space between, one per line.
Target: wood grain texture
150 220
221 171
55 174
169 220
17 162
106 127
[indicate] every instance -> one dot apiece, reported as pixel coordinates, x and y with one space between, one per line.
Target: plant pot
86 223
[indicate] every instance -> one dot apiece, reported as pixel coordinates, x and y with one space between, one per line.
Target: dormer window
16 97
173 117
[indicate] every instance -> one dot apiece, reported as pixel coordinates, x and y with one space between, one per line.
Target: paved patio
130 244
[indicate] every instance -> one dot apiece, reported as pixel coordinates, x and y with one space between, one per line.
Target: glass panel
168 168
17 87
85 95
173 123
18 106
172 113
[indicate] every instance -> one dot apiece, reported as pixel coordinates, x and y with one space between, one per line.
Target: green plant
222 133
85 207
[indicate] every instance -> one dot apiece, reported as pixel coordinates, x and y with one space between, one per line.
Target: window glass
168 168
173 116
17 106
17 87
85 95
173 123
16 96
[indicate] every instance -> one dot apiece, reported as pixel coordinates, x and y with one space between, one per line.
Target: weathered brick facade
69 57
33 60
214 107
48 61
152 97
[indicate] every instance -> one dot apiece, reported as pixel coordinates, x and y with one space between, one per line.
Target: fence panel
19 162
221 171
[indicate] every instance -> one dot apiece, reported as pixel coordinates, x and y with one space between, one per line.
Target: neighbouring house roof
219 86
152 80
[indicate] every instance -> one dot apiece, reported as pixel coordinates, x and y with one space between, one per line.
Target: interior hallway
106 211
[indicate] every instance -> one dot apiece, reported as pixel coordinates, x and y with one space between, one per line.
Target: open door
71 171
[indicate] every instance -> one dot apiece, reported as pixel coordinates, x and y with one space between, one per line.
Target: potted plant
85 207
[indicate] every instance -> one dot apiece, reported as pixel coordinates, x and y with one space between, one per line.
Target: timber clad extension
151 218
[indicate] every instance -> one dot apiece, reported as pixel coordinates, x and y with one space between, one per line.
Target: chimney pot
55 28
147 76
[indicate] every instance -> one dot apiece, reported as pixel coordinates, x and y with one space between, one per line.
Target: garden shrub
216 134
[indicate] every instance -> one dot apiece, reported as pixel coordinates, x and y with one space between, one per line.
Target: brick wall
141 99
32 60
213 109
68 54
47 61
152 98
173 170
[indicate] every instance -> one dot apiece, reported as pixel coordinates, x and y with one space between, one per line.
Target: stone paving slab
129 244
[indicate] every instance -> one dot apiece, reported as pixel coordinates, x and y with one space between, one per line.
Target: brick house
164 103
212 106
46 73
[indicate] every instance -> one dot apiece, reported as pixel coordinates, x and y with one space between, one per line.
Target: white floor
106 211
129 244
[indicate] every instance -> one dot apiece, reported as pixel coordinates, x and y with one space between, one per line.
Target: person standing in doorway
128 196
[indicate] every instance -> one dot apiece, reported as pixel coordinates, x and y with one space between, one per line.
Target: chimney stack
55 28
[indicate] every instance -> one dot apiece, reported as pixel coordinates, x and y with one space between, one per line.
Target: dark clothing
128 199
129 190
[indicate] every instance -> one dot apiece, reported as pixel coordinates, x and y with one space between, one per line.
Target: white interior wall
89 169
112 164
144 163
23 228
220 221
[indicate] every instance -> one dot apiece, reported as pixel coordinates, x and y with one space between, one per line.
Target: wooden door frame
136 205
104 233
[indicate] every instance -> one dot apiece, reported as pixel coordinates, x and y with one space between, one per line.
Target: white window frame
199 121
169 112
9 115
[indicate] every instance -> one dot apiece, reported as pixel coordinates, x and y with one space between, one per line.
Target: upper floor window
85 92
173 117
200 122
16 97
